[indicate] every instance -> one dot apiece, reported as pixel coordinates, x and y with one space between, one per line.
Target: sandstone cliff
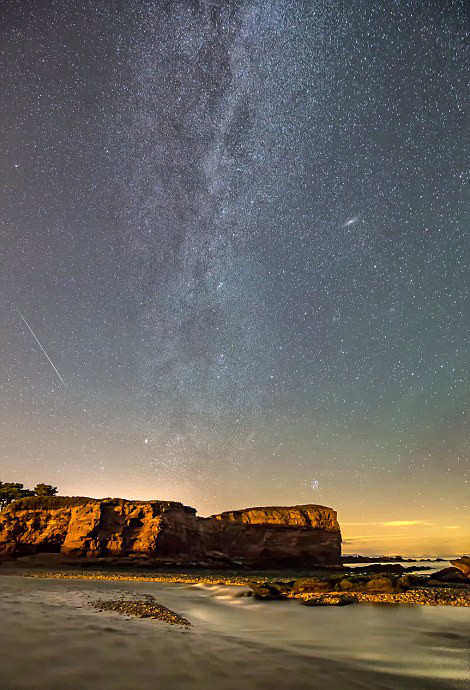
284 536
313 516
166 531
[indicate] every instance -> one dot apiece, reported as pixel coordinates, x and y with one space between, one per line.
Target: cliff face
312 516
168 531
294 536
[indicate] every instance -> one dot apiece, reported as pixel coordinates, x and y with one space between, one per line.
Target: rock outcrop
284 536
463 564
449 576
169 532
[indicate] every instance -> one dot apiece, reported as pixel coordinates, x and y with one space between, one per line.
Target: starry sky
234 257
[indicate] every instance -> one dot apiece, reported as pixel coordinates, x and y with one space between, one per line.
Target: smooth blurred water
51 639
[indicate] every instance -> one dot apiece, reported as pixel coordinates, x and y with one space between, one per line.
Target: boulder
410 580
330 600
450 576
390 568
463 564
374 584
382 583
266 590
348 584
312 584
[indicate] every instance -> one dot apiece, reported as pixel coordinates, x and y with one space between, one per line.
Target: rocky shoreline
377 583
334 586
425 596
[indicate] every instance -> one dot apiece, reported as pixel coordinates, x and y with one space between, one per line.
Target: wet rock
353 584
284 587
346 584
266 591
392 569
409 580
381 583
329 600
463 564
311 584
448 575
376 583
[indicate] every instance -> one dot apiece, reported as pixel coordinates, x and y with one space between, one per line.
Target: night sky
239 230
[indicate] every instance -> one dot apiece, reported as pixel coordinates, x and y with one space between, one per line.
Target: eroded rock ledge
294 536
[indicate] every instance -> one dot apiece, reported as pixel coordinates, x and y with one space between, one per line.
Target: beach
54 566
52 638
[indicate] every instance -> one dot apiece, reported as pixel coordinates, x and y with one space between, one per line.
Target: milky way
240 228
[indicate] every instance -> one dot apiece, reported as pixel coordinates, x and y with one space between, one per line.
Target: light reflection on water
235 642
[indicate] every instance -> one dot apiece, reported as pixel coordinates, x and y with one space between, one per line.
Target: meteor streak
43 349
351 221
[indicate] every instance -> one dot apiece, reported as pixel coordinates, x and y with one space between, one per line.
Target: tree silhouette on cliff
12 491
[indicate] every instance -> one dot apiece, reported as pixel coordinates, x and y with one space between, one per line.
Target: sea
52 639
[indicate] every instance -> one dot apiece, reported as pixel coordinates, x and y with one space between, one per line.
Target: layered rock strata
297 536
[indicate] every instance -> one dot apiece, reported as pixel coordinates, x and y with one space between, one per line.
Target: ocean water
51 639
422 567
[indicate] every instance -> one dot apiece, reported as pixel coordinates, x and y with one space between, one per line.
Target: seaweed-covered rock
376 583
267 591
353 583
382 583
312 584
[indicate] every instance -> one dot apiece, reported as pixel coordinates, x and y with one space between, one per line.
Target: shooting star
43 349
351 221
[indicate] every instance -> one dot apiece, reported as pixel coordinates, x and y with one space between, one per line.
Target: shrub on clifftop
44 490
13 491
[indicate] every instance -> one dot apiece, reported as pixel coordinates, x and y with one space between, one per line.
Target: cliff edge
171 533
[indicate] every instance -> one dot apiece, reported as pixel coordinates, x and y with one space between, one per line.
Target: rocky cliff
169 532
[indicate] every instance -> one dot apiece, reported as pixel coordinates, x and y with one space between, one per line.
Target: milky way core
240 229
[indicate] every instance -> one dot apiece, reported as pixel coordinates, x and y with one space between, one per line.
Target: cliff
169 532
313 516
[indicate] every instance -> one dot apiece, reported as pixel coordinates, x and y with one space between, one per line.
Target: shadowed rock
388 568
463 564
449 575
